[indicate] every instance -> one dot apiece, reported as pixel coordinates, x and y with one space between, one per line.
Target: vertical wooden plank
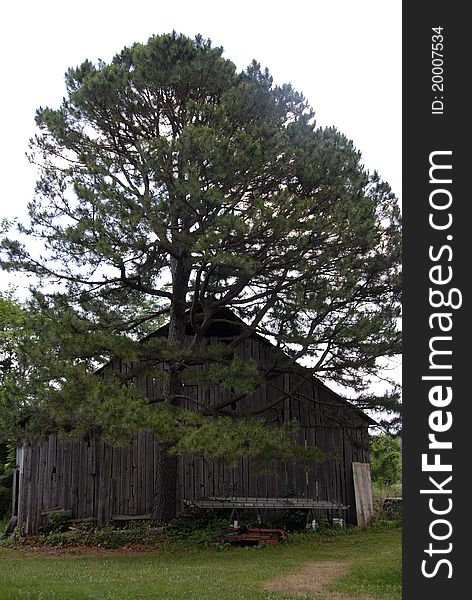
90 477
273 481
238 477
74 477
189 480
243 486
336 484
329 440
42 493
300 468
45 475
24 488
203 465
308 389
99 512
227 480
115 500
180 485
114 480
253 351
58 473
203 477
35 499
47 460
351 501
155 447
32 488
263 389
84 476
365 445
264 479
133 498
363 494
297 406
219 479
341 466
357 454
208 472
149 475
97 478
192 476
141 463
124 506
105 451
82 491
197 476
322 470
66 478
308 464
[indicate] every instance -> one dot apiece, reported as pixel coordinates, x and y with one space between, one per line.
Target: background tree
386 459
14 334
171 183
7 462
11 319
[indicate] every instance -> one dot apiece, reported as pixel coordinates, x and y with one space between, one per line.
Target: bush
379 493
55 523
201 527
109 537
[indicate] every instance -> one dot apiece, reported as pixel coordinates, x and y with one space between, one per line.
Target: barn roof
227 324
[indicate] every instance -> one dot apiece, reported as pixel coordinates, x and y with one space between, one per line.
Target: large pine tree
172 186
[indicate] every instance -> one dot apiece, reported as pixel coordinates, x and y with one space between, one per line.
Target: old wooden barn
88 478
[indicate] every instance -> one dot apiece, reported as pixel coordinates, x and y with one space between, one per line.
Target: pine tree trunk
165 497
166 474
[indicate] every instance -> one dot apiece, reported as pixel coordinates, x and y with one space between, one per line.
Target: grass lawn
373 558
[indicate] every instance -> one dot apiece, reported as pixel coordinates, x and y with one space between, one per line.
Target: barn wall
93 479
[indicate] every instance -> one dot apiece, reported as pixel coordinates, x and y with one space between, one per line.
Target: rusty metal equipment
246 535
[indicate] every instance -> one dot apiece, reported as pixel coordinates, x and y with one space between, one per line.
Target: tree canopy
172 186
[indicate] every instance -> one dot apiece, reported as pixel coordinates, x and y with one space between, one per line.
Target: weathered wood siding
93 479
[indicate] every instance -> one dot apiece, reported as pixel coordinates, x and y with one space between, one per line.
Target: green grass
198 574
377 573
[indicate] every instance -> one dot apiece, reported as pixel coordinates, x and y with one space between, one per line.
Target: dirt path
312 580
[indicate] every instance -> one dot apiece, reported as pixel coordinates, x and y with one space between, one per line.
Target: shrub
109 536
379 493
55 523
201 527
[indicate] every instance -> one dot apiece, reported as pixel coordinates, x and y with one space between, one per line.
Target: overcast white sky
344 56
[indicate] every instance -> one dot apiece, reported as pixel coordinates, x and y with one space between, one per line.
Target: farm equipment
249 535
246 535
